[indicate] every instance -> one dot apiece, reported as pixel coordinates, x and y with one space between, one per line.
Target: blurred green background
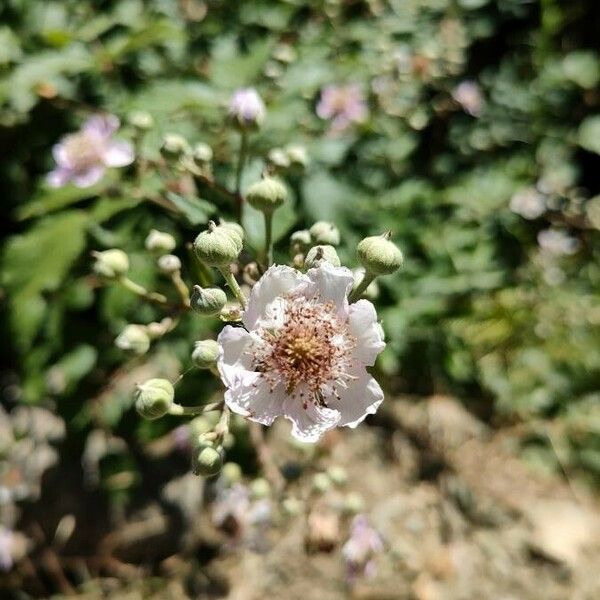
481 152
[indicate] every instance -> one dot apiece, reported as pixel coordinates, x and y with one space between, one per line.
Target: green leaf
589 134
37 262
195 210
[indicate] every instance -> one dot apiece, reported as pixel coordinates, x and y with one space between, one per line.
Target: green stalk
177 409
268 237
141 291
233 285
362 286
238 175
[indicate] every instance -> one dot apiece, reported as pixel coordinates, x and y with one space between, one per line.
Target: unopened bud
110 263
154 398
134 338
353 503
216 247
246 109
205 354
207 460
318 254
234 230
278 157
141 120
207 301
232 472
160 242
321 483
378 255
174 145
157 329
323 232
260 488
337 475
297 155
266 195
169 263
300 241
202 153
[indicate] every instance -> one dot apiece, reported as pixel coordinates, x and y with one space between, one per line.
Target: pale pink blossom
528 203
342 105
83 157
362 546
246 107
468 95
302 352
558 242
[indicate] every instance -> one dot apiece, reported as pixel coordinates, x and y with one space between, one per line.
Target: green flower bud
207 301
279 158
317 254
199 426
300 241
174 145
291 506
216 246
140 120
207 460
157 329
337 475
353 503
266 195
232 472
234 231
260 488
205 354
169 263
134 338
202 153
321 483
297 155
159 242
378 255
323 232
154 398
110 263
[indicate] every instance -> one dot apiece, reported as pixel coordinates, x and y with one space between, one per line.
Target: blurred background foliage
480 153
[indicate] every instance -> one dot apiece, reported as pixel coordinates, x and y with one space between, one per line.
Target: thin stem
233 285
177 409
362 286
238 175
268 237
263 454
140 290
181 287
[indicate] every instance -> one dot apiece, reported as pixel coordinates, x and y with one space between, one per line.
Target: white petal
59 152
277 281
59 177
234 363
331 284
255 401
118 154
88 177
363 325
310 423
101 126
360 398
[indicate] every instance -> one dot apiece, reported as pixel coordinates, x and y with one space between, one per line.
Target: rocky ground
461 516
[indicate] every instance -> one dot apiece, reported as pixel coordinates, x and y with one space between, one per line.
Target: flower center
82 151
309 353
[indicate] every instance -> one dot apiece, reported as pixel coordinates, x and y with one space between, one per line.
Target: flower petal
102 126
234 363
60 155
253 399
59 177
363 325
88 177
360 398
311 422
277 281
331 284
118 153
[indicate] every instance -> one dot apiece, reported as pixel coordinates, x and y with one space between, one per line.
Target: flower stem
238 175
177 409
233 285
268 237
362 286
181 287
140 290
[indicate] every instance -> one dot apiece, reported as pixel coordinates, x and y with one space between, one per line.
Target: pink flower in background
558 242
342 105
83 157
468 95
303 352
362 546
246 107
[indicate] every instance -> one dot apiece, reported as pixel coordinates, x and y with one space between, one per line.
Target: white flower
83 157
360 549
302 353
528 203
557 242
